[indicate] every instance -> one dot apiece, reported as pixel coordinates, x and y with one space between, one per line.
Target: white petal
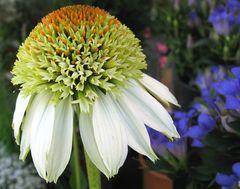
26 127
160 91
26 131
59 153
41 132
88 139
109 133
20 108
137 135
150 110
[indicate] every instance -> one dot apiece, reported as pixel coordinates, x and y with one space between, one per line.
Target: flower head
76 50
81 58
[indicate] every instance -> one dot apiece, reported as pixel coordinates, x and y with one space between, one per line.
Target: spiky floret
76 51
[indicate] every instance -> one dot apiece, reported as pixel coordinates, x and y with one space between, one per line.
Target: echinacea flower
81 59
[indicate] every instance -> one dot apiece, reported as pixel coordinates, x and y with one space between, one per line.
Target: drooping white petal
60 149
109 133
41 132
20 108
27 125
158 90
137 135
88 139
149 110
26 131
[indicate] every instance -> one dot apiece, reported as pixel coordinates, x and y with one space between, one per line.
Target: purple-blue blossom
225 17
158 141
206 123
230 181
230 88
221 20
205 80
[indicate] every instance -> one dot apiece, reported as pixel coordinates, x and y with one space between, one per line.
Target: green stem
94 176
76 160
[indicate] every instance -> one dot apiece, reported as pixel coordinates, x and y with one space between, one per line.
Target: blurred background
186 42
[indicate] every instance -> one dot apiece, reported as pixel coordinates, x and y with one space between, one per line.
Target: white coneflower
81 58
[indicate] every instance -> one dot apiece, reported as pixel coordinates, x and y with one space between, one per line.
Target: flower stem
94 176
76 161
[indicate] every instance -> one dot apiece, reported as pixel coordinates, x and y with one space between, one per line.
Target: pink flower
162 47
163 61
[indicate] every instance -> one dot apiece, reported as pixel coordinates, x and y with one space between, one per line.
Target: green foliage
7 106
192 42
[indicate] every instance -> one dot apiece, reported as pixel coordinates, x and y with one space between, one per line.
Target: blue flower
179 114
158 141
222 20
197 132
205 80
206 123
233 5
230 88
229 181
232 102
225 18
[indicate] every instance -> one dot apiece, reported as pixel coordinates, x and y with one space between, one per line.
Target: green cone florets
75 51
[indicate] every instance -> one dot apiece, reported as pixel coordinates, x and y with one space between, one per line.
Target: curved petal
20 108
137 135
149 110
88 139
26 126
236 169
60 149
206 121
225 180
196 132
26 131
109 133
41 132
197 143
158 90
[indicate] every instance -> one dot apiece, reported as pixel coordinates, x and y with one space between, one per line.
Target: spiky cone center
77 50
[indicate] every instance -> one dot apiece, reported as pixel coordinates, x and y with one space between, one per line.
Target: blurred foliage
192 41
